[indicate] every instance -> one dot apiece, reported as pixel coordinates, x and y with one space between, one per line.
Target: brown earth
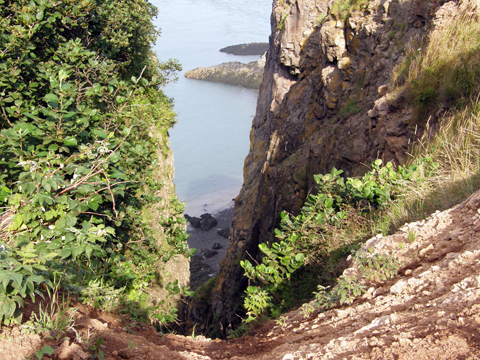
431 310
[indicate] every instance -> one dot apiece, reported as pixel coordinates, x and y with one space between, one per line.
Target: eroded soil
431 310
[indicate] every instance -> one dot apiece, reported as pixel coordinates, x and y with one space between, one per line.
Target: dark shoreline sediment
201 267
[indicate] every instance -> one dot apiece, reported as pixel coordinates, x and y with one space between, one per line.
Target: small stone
217 246
209 253
369 293
426 250
372 113
115 353
382 90
399 287
224 232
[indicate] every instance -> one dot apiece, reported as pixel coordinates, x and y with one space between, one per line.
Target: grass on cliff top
443 71
456 151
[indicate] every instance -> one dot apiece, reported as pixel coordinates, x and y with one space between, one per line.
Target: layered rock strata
322 103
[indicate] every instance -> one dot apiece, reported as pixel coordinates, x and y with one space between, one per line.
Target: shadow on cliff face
320 106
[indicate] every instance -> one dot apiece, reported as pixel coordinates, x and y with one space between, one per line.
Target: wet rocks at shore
211 246
224 232
205 222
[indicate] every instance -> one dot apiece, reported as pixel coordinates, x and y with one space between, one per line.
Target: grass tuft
342 9
443 72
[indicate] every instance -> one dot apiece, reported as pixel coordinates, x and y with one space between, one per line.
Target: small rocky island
247 49
232 73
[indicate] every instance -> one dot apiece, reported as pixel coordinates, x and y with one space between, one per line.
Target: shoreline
212 203
203 268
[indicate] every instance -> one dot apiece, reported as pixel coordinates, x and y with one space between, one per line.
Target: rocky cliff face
321 104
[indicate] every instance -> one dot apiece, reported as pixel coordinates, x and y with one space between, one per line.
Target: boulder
194 221
209 253
224 232
207 222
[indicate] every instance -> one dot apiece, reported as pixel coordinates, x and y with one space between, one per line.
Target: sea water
211 137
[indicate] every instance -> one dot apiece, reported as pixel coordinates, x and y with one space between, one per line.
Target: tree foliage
79 100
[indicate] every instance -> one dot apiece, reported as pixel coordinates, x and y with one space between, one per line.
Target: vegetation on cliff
443 71
341 214
82 144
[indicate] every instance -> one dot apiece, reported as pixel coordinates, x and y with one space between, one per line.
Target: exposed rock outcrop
232 73
321 78
247 49
177 268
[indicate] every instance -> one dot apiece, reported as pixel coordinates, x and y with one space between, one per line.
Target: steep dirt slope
431 310
321 104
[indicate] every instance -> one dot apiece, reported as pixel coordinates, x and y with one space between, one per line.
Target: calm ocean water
211 139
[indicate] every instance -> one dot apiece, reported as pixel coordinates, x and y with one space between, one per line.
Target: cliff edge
321 104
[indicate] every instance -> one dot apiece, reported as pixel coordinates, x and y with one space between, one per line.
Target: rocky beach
211 247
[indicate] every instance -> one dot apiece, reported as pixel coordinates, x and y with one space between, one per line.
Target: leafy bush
79 102
307 238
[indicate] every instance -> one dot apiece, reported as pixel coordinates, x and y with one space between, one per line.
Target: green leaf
50 255
71 220
52 98
328 203
93 205
66 253
100 133
70 141
4 278
8 308
36 278
88 251
116 174
62 200
17 280
60 223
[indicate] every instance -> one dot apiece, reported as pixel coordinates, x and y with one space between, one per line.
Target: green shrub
309 238
79 100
